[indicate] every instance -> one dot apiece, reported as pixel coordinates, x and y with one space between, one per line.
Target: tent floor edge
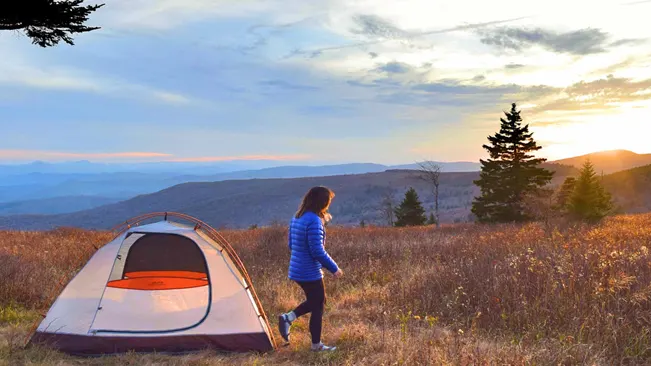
93 346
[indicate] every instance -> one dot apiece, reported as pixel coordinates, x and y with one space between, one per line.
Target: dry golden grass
464 295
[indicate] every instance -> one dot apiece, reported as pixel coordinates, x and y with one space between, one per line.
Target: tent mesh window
159 262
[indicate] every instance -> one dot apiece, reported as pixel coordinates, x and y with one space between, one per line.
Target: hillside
609 161
462 295
55 205
60 182
240 203
631 188
56 187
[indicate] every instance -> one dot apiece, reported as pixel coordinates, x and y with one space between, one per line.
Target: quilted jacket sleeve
315 239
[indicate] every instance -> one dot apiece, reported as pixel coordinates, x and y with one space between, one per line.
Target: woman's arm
315 238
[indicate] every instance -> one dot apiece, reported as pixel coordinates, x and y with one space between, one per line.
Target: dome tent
163 287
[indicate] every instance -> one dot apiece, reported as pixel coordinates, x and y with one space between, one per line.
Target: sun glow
629 131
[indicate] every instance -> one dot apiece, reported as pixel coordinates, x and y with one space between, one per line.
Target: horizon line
260 158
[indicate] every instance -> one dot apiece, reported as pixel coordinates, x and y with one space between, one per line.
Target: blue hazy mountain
63 186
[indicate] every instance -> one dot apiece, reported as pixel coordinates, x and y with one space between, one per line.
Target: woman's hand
339 273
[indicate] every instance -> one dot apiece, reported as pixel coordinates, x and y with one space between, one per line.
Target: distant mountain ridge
123 185
203 168
240 203
66 187
57 205
609 161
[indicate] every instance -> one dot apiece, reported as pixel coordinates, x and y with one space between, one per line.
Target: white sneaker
322 347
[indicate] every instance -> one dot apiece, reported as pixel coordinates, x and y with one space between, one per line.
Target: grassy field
462 295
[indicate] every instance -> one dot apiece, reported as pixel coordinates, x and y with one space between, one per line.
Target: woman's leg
317 293
306 306
285 320
314 304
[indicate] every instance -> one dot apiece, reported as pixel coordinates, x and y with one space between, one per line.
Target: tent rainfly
158 287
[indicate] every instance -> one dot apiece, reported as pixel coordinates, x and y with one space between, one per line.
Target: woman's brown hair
317 200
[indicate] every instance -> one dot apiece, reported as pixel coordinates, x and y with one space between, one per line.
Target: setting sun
626 131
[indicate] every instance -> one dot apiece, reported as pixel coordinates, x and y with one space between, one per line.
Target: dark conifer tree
565 193
410 212
431 220
589 200
46 22
510 174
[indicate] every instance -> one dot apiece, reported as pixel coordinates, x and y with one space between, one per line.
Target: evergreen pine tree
510 174
589 200
431 220
47 22
564 193
410 212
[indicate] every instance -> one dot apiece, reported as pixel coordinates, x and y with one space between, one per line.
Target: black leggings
316 298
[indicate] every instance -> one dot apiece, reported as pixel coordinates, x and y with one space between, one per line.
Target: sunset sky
329 81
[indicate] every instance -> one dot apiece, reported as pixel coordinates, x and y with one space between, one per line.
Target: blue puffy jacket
306 244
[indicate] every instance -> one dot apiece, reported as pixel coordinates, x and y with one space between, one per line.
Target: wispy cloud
171 98
604 94
58 78
382 32
514 66
395 67
376 27
638 2
579 42
206 159
25 155
57 155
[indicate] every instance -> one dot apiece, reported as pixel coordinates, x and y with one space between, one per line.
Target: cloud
627 41
56 155
395 68
206 159
638 2
71 79
21 155
282 84
623 65
514 66
376 27
580 42
171 98
601 94
382 31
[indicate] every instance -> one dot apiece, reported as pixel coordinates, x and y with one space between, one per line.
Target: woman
308 257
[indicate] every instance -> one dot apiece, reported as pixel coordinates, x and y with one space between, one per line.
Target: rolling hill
55 205
631 189
50 181
240 203
609 161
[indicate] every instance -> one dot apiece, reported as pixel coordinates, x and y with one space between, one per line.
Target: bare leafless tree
430 172
387 207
